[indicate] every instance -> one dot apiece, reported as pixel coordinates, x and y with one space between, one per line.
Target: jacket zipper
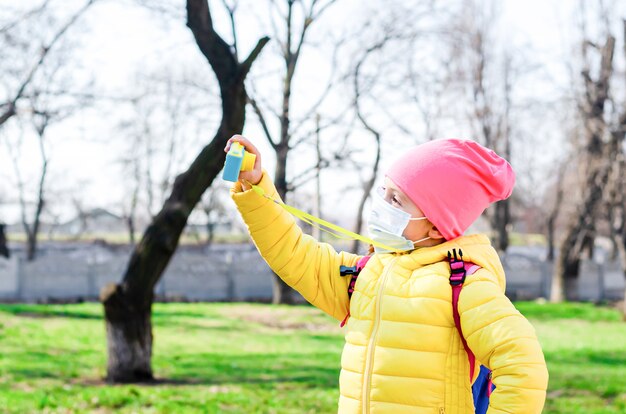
368 362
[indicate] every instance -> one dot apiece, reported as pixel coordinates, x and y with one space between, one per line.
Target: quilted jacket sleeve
504 341
310 267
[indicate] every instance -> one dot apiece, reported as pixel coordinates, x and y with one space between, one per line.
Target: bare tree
42 108
41 122
137 161
158 126
27 84
490 107
596 166
359 90
42 117
291 45
128 304
617 188
390 62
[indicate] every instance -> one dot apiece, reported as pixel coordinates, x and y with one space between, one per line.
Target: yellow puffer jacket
403 353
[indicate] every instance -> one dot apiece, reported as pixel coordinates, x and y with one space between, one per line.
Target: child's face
416 229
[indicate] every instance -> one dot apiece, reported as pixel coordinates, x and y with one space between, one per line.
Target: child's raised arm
310 267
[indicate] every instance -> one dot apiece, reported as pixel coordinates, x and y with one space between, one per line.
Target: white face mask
387 223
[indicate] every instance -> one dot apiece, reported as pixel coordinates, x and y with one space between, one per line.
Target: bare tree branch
316 14
246 64
212 45
275 31
10 25
45 50
259 113
231 13
305 136
329 87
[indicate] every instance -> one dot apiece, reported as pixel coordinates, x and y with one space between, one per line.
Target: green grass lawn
245 358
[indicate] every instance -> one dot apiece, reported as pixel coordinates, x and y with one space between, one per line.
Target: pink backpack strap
459 270
354 273
360 264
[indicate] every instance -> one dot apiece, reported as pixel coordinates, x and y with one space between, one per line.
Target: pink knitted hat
452 181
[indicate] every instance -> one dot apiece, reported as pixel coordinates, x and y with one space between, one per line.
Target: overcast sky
118 40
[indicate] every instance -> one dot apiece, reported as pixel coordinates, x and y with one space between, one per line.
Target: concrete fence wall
238 273
215 275
529 278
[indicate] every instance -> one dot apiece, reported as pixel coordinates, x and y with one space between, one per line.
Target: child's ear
434 234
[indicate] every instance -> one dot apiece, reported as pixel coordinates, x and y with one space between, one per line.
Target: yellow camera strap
326 226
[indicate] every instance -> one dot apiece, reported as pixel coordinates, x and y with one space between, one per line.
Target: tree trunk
501 220
210 233
4 250
127 305
281 292
129 338
34 233
503 208
554 213
550 238
280 179
621 243
577 237
130 224
557 292
31 246
565 278
571 289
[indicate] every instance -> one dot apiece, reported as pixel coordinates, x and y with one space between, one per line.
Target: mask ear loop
420 240
418 219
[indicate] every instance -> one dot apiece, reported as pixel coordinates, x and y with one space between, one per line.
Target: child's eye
395 200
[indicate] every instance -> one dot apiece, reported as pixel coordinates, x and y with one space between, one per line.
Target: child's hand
255 175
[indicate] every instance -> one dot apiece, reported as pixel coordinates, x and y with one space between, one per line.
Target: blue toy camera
237 159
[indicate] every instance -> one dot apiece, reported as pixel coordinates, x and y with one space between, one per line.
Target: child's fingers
243 141
255 175
234 138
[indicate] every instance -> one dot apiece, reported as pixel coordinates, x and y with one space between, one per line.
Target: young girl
403 352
